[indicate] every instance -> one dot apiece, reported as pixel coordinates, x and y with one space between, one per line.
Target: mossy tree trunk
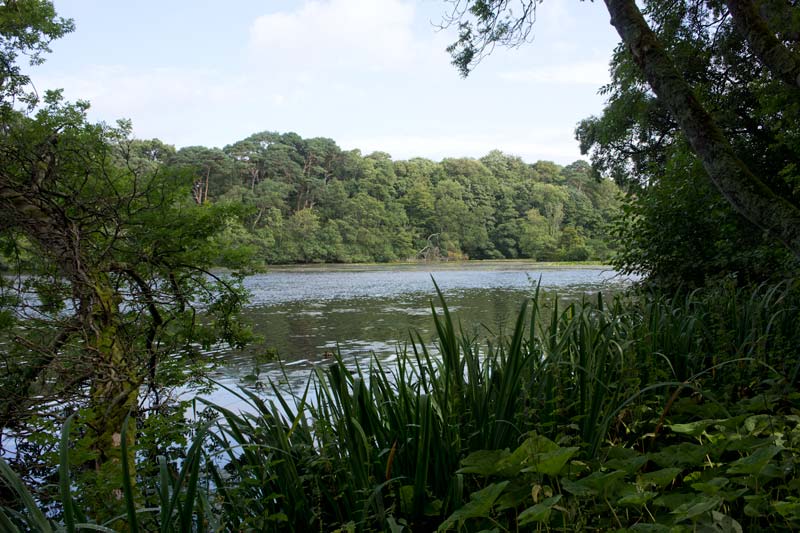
113 396
113 379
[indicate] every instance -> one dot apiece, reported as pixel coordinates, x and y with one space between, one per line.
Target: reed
383 446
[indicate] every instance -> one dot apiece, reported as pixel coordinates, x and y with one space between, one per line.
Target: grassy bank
645 413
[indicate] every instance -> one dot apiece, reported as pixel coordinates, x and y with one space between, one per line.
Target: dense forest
307 200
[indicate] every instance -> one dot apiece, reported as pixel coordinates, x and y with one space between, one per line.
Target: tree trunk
114 385
114 395
744 191
781 61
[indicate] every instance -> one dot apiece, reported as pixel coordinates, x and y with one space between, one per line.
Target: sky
370 74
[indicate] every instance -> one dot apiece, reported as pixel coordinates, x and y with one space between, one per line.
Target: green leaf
602 482
757 424
480 505
692 509
517 493
725 523
757 505
755 462
684 454
694 429
712 486
395 526
629 465
483 462
637 498
551 463
6 524
673 500
64 477
127 479
577 489
525 454
36 518
539 512
788 509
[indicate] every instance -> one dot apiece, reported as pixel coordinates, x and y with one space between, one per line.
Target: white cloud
335 34
584 73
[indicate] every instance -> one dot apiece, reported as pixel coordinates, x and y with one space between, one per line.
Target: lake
305 313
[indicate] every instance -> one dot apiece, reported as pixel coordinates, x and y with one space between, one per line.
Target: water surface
304 314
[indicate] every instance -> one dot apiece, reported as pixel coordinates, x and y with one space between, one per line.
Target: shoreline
477 264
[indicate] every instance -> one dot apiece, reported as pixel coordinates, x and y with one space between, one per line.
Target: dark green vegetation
649 412
680 227
105 260
662 410
701 128
308 201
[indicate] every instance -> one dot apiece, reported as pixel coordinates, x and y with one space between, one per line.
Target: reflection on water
305 314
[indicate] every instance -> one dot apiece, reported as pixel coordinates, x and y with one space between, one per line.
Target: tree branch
781 61
744 190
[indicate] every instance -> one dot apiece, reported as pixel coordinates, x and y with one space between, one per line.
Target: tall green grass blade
127 481
35 518
423 453
6 524
193 465
64 480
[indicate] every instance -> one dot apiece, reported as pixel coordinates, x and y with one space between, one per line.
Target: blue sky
370 74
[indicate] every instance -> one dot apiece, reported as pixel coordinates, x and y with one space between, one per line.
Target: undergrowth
647 412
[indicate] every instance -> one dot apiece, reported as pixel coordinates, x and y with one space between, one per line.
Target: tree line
304 200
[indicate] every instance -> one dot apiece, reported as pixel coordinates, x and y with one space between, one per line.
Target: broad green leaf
758 423
483 462
539 512
551 463
394 526
732 495
692 428
673 500
712 486
349 527
637 498
684 454
660 478
700 505
525 454
788 509
629 465
602 482
577 489
480 504
518 492
725 523
755 462
757 505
